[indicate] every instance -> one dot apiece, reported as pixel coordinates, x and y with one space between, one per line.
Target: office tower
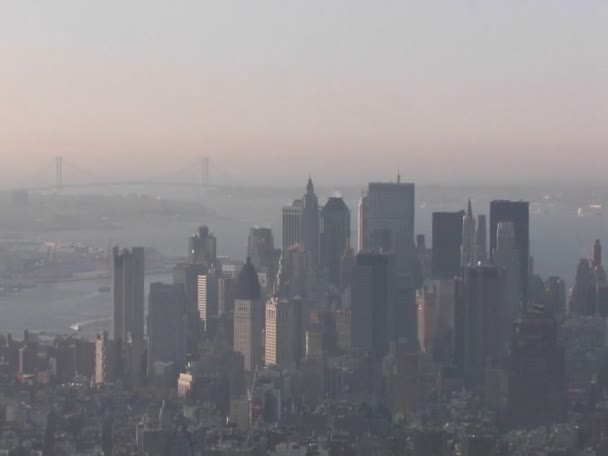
390 222
362 233
133 361
447 243
361 308
292 277
128 315
335 236
166 325
468 237
597 254
247 316
506 257
264 256
292 219
590 291
556 296
518 213
105 359
536 376
225 295
426 302
481 240
424 257
481 321
280 333
202 247
186 275
310 236
208 305
373 291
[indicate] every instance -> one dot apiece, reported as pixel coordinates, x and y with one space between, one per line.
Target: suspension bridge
68 175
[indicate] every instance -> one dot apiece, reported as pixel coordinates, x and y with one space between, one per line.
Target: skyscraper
518 213
481 324
389 222
248 317
481 238
265 258
128 314
208 305
292 219
166 325
506 257
105 359
361 308
447 242
380 286
468 238
202 247
335 236
280 333
362 224
310 236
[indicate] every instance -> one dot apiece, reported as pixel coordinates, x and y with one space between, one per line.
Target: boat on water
105 289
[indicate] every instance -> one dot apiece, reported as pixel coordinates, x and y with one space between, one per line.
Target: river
55 307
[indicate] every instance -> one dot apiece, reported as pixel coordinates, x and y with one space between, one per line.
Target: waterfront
54 307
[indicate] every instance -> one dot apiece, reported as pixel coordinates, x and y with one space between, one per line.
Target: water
54 307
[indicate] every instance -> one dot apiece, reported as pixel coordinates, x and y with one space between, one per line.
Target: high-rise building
310 228
361 308
390 222
375 287
265 258
202 247
208 303
555 289
280 333
335 236
468 238
518 213
507 257
597 254
537 380
362 233
128 315
447 243
292 219
481 238
225 295
248 316
166 325
105 359
481 321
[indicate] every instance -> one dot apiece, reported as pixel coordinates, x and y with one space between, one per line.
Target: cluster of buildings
323 347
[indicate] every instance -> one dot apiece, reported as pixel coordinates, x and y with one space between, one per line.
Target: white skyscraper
280 333
469 241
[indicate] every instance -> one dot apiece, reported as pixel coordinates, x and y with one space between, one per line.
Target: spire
469 209
309 186
398 176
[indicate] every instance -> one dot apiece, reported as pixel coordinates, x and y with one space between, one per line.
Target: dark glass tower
518 213
335 236
310 225
447 242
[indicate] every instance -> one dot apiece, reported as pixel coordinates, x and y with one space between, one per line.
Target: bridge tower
59 172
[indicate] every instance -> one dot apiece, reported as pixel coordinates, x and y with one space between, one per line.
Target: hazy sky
440 89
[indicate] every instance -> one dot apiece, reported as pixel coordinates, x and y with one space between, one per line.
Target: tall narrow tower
310 226
468 237
248 316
